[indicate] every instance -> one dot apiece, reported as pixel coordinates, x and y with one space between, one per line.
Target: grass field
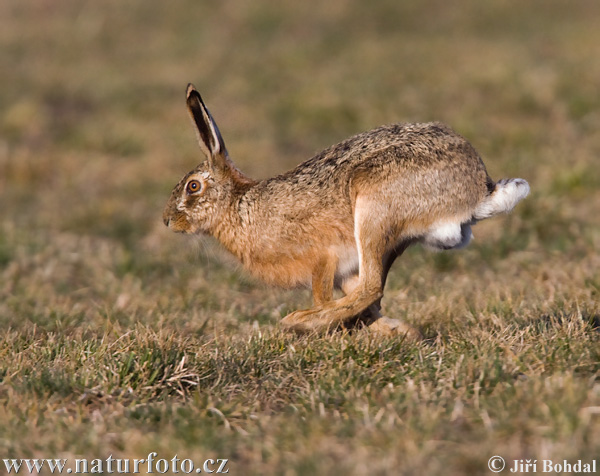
119 337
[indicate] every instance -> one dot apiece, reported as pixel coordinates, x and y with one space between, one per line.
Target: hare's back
398 146
424 163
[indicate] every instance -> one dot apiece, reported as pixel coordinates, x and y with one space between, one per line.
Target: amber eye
193 186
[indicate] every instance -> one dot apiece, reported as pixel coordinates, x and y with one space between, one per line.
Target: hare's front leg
331 314
323 277
322 288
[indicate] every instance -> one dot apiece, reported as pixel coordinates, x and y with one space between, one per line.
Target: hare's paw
299 321
394 327
304 322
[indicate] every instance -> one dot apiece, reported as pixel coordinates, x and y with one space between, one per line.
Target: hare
340 219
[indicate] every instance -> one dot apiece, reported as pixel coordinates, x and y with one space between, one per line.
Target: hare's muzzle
176 222
168 218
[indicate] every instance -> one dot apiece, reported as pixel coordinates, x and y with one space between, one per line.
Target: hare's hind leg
372 316
371 231
373 312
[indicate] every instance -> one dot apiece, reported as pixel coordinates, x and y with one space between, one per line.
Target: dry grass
120 338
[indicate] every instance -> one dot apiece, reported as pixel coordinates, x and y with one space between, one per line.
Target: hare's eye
193 186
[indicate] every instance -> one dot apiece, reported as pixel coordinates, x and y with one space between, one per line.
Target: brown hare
340 219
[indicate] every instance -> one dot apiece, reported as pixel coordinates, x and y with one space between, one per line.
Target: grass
118 337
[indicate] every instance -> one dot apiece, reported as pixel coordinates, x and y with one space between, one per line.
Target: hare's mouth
176 225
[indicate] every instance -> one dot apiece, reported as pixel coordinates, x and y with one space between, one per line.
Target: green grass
119 337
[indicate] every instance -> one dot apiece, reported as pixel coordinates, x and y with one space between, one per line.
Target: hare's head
200 198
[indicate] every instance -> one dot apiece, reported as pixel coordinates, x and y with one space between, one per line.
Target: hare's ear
209 137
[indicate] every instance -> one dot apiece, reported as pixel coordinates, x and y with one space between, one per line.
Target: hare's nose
167 221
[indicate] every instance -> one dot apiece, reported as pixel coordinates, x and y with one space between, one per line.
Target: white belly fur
347 260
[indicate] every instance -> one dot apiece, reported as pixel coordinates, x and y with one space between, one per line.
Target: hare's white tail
506 195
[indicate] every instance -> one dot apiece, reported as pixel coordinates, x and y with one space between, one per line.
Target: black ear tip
190 90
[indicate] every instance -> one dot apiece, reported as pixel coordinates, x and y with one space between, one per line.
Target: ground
119 337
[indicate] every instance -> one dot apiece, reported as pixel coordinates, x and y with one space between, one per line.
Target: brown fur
372 195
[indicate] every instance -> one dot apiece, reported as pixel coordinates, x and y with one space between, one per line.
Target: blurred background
94 134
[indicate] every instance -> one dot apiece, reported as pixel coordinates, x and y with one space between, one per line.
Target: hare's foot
307 321
364 319
395 327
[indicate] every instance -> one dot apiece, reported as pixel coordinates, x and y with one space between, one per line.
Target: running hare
340 219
